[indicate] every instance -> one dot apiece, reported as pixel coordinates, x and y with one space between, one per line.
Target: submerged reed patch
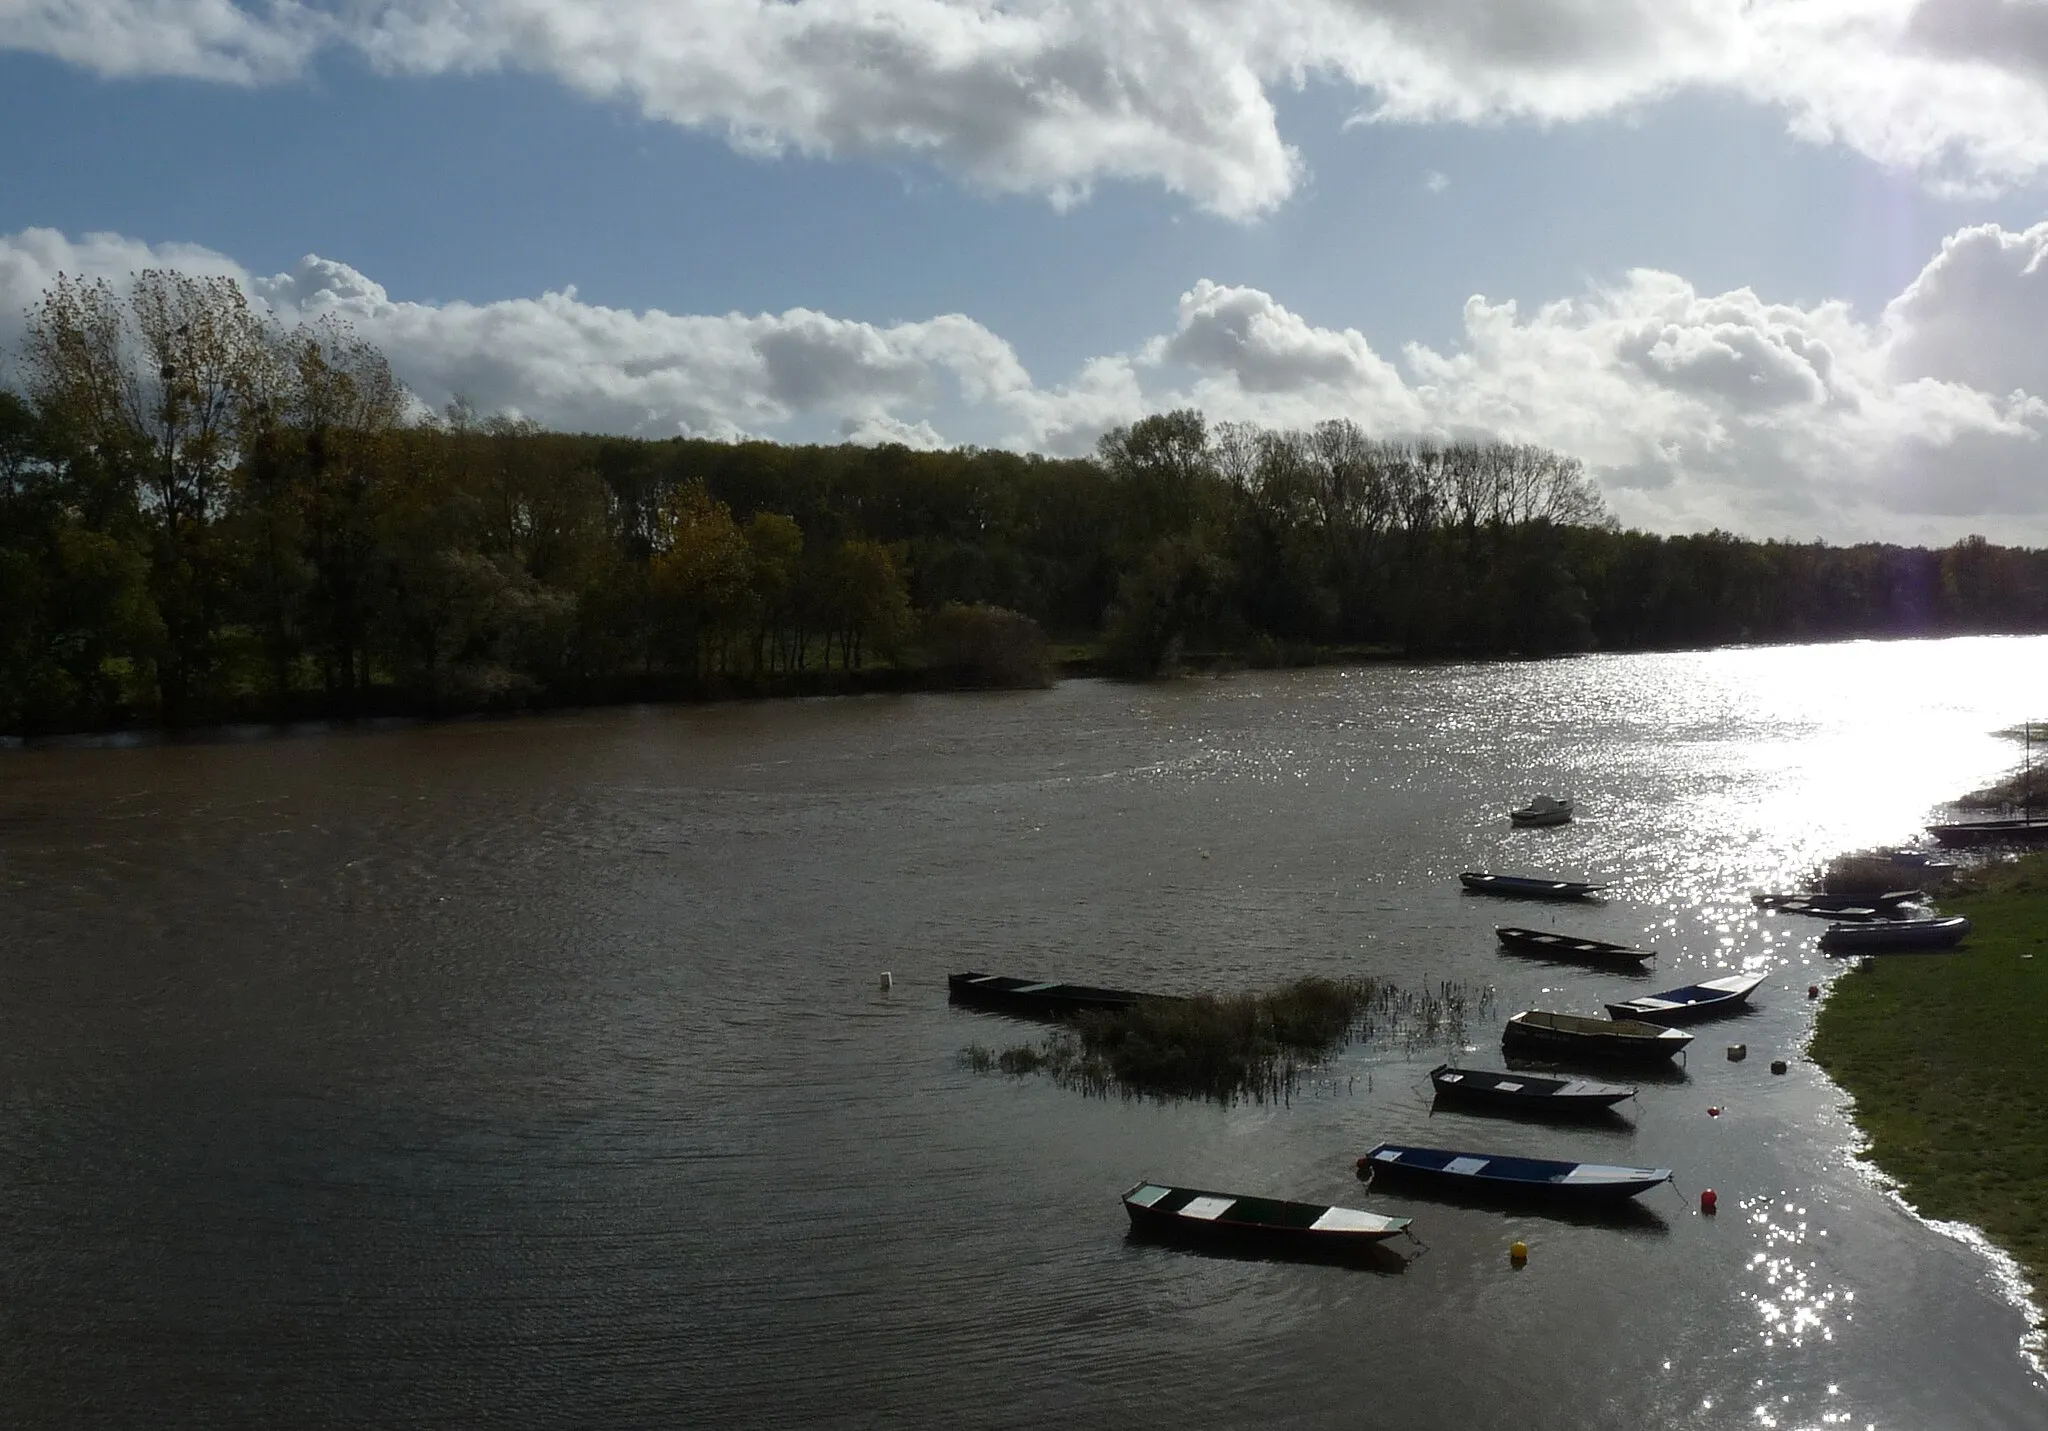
1226 1047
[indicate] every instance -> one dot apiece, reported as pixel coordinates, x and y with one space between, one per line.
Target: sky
1773 266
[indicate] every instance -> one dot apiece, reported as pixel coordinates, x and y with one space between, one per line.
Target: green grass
1946 1056
1227 1047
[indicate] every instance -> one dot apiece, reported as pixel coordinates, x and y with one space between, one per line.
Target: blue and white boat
1704 1000
1507 1178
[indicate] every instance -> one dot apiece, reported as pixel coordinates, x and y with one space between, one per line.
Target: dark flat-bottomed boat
1526 1094
1508 1178
1991 832
1038 998
1528 886
1828 911
1570 947
1193 1215
1820 902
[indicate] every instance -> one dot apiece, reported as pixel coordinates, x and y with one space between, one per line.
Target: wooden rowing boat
1707 999
1508 1178
1037 998
1193 1215
1526 1094
1540 1033
1895 936
1816 901
1528 886
1543 810
2028 831
1550 945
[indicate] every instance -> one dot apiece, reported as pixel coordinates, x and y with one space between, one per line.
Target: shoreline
1943 1058
388 706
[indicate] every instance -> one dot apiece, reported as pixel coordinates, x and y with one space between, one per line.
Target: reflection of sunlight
1792 1307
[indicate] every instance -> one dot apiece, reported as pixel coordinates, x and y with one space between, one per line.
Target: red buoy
1713 1112
1813 991
1708 1202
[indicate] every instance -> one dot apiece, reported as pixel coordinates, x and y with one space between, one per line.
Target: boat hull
1496 1178
1034 998
1193 1215
1616 1040
1565 947
1528 886
1835 912
1820 902
1901 936
1991 832
1688 1005
1525 1095
1700 1012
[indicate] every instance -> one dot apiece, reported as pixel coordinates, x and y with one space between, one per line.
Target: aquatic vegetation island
1226 1047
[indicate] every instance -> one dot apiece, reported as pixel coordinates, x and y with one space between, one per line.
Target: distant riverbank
483 698
1946 1056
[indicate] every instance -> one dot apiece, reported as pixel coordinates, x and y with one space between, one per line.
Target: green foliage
1177 596
861 588
986 646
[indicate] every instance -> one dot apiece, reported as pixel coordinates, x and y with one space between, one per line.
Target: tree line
205 516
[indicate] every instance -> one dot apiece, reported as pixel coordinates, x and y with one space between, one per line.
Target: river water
538 1072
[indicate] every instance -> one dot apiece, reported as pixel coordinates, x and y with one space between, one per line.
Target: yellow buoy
1518 1253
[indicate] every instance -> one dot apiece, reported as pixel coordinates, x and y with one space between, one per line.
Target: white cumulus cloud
586 367
1694 410
1056 96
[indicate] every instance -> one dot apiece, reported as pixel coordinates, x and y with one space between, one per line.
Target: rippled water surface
538 1072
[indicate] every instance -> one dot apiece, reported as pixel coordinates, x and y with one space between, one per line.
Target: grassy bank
1946 1056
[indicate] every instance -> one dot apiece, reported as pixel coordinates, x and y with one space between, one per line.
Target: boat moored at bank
1895 936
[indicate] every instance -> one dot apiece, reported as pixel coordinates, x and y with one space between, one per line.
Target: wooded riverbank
204 518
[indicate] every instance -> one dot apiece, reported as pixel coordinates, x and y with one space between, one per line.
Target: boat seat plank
1600 1173
1466 1165
1208 1208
